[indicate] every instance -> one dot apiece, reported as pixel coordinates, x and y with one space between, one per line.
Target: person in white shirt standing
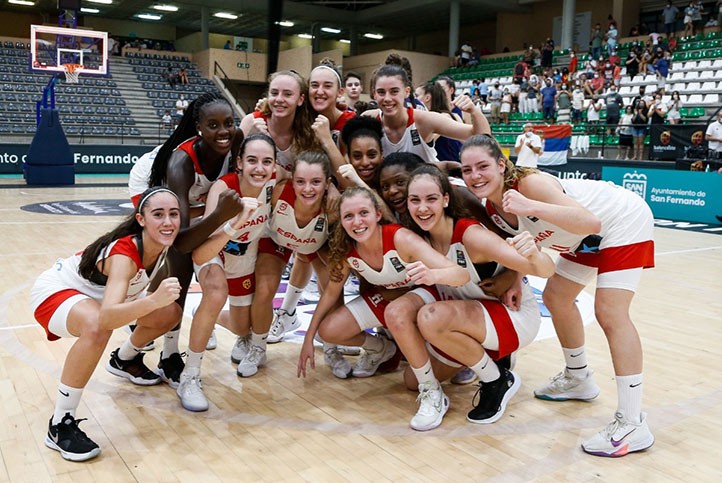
714 137
180 107
528 147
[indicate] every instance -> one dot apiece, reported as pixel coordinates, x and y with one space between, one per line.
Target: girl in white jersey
601 229
299 225
286 116
407 129
392 259
467 323
196 154
98 290
225 262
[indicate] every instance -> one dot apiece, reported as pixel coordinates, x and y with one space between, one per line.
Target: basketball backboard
51 47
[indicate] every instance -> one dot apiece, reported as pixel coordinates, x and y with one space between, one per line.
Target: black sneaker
134 370
67 438
170 369
493 397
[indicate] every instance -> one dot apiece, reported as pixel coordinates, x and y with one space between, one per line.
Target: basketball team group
425 210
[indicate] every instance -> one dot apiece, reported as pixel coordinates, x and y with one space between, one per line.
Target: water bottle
706 169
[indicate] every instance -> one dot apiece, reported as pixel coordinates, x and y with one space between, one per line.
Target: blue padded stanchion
49 160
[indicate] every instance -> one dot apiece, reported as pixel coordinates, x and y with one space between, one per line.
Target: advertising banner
96 159
680 141
676 195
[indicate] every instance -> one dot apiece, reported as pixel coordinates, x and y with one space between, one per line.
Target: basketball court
274 426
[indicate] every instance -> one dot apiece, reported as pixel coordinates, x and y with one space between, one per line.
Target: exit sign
242 65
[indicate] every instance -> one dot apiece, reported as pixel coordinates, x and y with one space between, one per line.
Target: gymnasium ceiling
394 19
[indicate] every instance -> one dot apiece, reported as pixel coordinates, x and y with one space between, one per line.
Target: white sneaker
212 341
249 365
190 392
241 348
564 386
340 367
310 293
620 437
369 362
282 322
433 404
350 287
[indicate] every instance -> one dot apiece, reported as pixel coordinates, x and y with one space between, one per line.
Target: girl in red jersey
98 290
392 259
224 265
602 231
467 323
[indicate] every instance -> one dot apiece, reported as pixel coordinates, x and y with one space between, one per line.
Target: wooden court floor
275 427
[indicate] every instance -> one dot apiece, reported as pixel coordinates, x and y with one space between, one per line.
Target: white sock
128 351
170 343
259 339
373 344
424 373
67 401
629 397
290 300
194 360
486 369
576 360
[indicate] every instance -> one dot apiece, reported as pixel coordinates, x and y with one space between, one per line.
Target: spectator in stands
166 122
654 37
612 35
614 104
483 90
624 131
183 76
577 104
697 21
547 55
661 66
689 12
657 111
639 128
634 31
528 147
594 86
181 105
644 97
532 95
228 45
632 63
646 62
713 135
548 100
596 43
593 116
506 102
669 15
617 74
573 62
495 95
170 77
673 106
466 51
520 70
564 104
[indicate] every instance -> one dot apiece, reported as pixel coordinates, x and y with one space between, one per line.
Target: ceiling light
285 23
104 2
331 30
305 36
22 2
345 41
227 15
89 10
166 8
374 36
149 16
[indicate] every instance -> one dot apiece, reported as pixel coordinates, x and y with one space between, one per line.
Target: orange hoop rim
70 68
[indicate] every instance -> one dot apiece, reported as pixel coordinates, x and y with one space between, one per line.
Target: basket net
72 73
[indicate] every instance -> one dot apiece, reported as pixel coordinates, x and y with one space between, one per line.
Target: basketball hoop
72 73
